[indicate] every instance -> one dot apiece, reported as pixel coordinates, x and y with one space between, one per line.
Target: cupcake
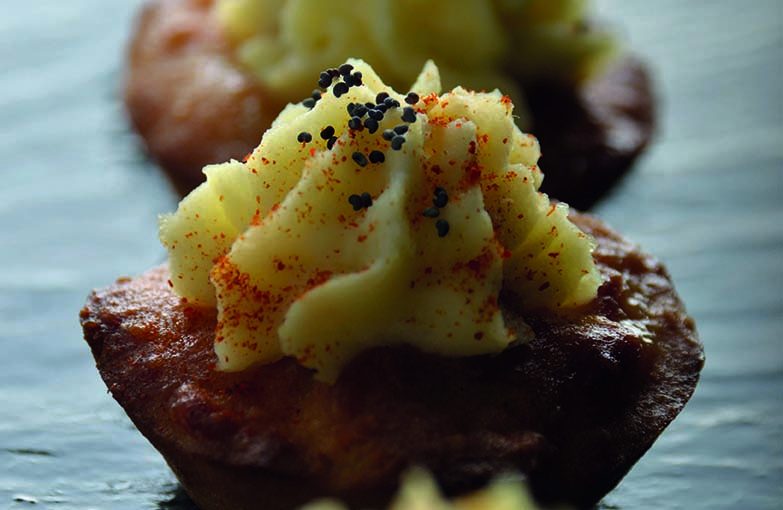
381 285
205 78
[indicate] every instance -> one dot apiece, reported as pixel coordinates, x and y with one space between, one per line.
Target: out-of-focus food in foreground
420 492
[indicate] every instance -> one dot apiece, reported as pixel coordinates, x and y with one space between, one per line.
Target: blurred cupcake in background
205 78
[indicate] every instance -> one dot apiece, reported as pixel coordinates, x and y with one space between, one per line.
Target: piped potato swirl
369 218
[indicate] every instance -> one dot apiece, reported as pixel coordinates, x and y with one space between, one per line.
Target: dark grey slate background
78 207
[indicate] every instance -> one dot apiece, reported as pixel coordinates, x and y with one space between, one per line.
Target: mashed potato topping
375 218
479 44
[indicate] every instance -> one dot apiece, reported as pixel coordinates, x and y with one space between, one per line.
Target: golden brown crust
193 107
573 409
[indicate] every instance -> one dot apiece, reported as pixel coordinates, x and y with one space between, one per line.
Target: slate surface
78 207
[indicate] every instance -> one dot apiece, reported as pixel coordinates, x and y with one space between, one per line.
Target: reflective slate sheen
79 203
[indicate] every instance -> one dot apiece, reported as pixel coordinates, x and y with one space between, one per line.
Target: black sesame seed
309 102
356 202
354 80
355 123
304 137
359 158
350 108
390 102
441 198
333 72
401 129
377 157
442 227
324 80
316 94
327 132
359 110
371 125
340 89
345 69
375 114
381 107
381 97
409 114
412 98
397 142
366 199
431 212
331 142
388 135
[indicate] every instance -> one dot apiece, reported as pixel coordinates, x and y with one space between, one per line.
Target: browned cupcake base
193 107
573 409
591 136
